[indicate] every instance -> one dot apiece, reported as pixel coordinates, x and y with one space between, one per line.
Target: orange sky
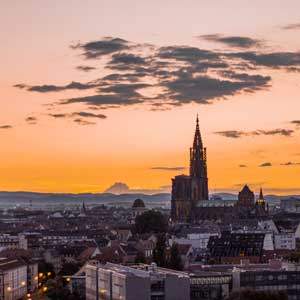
58 155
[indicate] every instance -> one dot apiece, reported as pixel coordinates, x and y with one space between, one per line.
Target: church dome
138 203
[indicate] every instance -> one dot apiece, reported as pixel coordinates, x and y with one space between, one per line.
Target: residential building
13 279
140 282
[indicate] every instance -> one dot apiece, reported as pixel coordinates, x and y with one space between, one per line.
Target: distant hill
8 199
11 199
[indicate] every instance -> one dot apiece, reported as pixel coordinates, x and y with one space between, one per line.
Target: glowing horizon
70 123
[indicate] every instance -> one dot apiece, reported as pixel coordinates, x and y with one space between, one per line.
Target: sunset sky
98 92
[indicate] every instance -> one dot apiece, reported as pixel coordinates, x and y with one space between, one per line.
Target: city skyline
87 102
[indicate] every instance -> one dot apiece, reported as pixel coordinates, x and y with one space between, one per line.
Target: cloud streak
290 163
265 165
232 41
31 120
293 26
238 134
85 68
80 114
168 168
48 88
99 48
6 126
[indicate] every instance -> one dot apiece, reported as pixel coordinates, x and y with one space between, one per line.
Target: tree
159 252
46 271
151 221
69 269
56 289
175 262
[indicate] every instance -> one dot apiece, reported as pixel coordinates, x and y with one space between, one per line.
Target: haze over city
99 92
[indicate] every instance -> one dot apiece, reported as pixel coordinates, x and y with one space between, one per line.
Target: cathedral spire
261 200
197 138
261 196
198 155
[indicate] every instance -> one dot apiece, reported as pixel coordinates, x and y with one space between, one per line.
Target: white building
285 241
197 240
141 282
13 279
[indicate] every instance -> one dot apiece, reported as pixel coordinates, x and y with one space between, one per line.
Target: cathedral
188 191
190 200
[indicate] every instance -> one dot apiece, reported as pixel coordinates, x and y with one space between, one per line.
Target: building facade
140 282
13 279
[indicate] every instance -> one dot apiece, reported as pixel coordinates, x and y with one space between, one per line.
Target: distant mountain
118 188
11 199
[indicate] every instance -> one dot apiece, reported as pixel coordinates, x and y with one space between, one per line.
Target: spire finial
261 196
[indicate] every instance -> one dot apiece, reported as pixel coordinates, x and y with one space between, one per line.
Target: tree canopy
151 221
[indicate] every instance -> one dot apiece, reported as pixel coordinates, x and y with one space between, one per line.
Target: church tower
198 168
187 191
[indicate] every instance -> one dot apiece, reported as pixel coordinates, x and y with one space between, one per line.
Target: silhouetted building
246 198
262 209
187 191
190 201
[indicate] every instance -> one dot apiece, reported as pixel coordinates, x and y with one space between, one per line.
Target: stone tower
187 191
198 168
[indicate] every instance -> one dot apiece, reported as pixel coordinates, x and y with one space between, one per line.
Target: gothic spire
261 196
197 138
198 155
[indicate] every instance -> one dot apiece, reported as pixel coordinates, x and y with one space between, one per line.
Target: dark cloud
115 94
243 166
102 100
203 89
233 41
123 61
81 114
265 164
5 127
283 132
296 122
238 134
168 168
85 114
172 76
291 26
85 68
83 122
31 120
290 163
272 60
119 77
185 53
58 115
231 133
108 45
47 88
